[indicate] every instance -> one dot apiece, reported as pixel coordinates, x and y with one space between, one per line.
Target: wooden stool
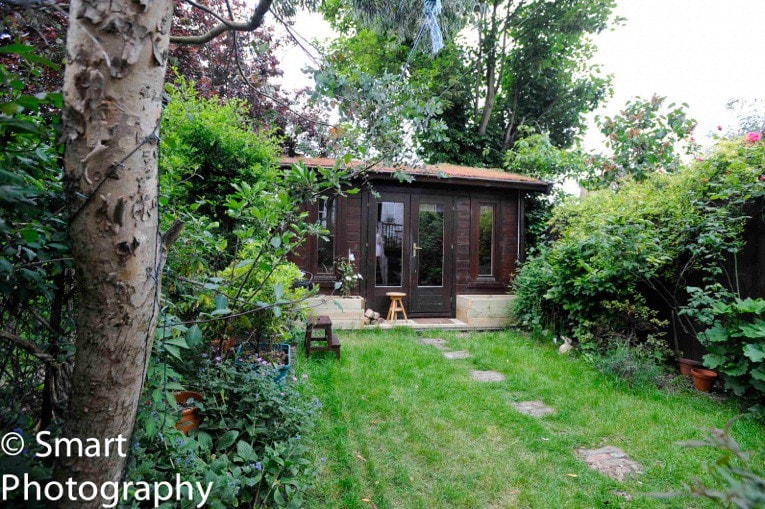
329 341
396 305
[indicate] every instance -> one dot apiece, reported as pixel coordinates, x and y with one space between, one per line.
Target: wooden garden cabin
453 231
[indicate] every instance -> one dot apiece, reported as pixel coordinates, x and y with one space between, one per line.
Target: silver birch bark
116 57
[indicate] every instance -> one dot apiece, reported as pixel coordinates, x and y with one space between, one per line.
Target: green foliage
35 268
643 140
736 481
612 249
229 282
207 145
380 114
348 276
534 154
548 81
533 56
638 366
250 444
735 343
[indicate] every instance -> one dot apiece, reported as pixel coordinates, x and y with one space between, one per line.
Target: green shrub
612 249
250 445
635 365
208 144
736 481
735 344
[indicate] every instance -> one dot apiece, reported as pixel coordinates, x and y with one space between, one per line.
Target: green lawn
402 426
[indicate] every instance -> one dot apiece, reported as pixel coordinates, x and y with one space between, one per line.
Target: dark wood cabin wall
462 221
509 238
349 235
304 256
506 232
347 239
750 263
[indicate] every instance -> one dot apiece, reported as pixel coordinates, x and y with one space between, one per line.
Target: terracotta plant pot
191 417
703 379
686 365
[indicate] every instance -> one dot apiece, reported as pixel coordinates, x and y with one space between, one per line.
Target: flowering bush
348 278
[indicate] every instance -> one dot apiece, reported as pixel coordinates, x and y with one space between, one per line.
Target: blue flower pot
280 372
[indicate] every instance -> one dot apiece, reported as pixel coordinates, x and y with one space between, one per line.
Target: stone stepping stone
439 343
533 408
459 354
610 461
487 376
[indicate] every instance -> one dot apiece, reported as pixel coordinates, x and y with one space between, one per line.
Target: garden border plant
611 249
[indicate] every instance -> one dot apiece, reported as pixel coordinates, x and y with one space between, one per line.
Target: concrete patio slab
439 343
610 461
487 376
458 354
533 408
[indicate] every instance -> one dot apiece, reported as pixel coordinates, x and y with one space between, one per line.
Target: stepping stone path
458 354
533 408
439 343
487 376
610 461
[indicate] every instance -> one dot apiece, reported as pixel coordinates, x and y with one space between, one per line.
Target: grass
402 426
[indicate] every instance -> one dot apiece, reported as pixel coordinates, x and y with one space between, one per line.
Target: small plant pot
686 365
191 416
703 379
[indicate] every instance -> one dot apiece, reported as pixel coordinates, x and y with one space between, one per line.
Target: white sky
701 52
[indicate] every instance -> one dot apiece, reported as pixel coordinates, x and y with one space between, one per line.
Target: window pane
389 245
327 246
430 255
485 240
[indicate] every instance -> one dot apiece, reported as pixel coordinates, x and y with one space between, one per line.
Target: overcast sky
701 52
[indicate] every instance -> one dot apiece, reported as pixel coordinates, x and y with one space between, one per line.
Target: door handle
416 248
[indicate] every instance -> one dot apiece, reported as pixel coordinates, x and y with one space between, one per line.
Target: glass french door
411 251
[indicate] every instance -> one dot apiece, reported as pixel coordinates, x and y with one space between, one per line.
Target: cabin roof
440 173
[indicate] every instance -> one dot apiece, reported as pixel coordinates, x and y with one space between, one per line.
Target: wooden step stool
396 306
328 342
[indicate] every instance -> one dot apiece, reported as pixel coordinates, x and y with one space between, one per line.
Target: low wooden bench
328 342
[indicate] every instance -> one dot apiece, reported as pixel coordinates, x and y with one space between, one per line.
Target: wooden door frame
390 193
446 291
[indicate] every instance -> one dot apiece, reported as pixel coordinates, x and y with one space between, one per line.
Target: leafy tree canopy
530 66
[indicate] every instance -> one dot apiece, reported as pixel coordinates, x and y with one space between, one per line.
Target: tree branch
28 347
225 26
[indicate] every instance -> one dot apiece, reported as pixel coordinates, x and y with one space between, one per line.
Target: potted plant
191 414
348 278
703 379
686 365
266 353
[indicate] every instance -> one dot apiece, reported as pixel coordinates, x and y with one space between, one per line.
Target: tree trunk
491 68
116 57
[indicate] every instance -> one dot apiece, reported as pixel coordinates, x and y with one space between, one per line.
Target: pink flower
753 137
719 128
762 178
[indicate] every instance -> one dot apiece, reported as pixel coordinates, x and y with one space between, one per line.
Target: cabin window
326 243
430 251
389 243
486 241
485 260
